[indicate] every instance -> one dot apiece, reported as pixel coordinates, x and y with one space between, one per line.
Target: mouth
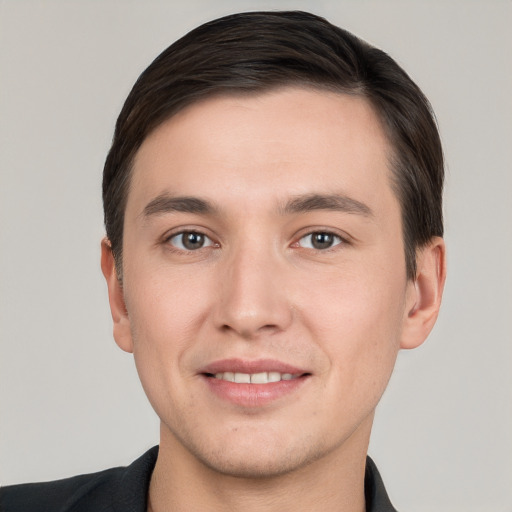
253 383
254 378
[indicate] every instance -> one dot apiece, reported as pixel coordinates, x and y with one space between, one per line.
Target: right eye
190 241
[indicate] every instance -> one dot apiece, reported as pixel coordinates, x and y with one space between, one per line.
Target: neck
333 483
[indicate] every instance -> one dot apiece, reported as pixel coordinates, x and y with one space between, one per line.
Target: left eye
320 240
190 241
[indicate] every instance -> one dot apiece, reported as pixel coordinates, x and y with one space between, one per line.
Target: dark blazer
125 489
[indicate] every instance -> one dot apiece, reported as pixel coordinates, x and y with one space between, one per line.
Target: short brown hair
258 51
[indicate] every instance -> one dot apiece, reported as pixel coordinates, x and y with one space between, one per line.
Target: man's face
263 241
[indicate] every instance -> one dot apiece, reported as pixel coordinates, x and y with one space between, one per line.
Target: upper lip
247 366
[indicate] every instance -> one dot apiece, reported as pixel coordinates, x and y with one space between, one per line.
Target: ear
424 294
122 331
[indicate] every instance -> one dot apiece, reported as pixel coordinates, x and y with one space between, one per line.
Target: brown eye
320 240
190 241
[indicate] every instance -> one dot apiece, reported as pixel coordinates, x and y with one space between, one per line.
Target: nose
253 294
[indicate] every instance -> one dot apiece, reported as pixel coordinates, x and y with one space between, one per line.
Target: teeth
259 378
242 378
274 376
254 378
229 376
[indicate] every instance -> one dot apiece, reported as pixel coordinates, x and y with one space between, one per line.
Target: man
273 214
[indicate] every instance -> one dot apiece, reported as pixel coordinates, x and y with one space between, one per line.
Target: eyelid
336 241
169 235
344 239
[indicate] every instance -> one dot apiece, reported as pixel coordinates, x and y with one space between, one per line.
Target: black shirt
125 489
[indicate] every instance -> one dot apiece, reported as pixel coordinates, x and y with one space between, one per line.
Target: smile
252 384
254 378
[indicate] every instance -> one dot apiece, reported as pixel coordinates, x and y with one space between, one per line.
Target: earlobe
122 331
424 294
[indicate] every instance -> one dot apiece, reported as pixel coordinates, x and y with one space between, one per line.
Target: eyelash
190 232
336 241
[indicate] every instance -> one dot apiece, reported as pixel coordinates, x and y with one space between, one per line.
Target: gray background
70 401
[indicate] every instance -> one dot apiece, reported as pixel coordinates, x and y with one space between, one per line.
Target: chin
256 456
254 466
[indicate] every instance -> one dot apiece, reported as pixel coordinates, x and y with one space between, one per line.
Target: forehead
283 142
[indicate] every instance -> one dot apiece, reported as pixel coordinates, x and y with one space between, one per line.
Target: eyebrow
341 203
165 203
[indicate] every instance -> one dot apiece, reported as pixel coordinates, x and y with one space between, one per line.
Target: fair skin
262 235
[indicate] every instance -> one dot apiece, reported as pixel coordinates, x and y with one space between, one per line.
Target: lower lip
253 395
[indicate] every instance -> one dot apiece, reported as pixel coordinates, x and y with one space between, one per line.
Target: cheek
167 311
164 305
357 319
356 300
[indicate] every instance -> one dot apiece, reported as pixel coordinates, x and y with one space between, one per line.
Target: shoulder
377 499
62 495
121 488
